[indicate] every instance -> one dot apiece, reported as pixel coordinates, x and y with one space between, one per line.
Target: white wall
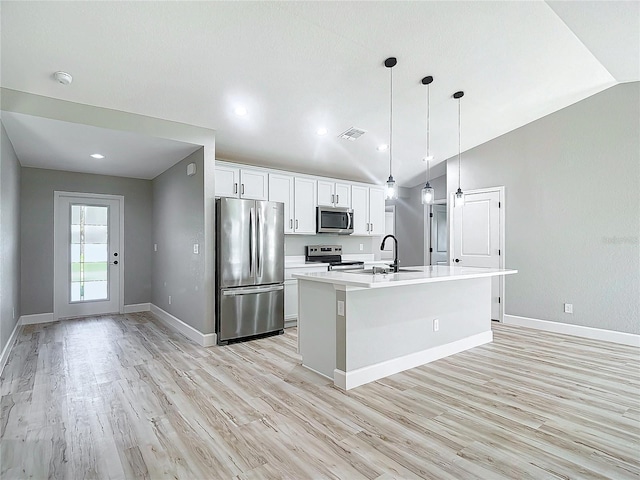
572 184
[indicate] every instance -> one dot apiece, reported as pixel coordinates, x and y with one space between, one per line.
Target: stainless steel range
331 254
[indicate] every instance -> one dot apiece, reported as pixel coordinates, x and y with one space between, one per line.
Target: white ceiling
297 66
45 143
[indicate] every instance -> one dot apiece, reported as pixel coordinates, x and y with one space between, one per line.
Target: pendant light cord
391 126
428 128
459 144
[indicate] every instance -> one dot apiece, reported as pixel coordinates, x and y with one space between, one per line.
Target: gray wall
572 182
179 223
37 200
9 239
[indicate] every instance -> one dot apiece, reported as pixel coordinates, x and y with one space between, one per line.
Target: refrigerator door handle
251 290
251 243
260 245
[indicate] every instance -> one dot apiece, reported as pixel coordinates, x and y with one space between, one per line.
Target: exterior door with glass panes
88 254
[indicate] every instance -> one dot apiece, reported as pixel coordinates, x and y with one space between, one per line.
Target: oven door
334 220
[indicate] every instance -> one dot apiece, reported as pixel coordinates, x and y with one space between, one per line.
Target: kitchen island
356 327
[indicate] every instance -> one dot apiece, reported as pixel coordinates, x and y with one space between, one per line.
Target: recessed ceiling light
322 131
383 147
97 155
240 111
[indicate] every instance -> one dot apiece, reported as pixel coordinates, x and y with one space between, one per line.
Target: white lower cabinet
290 300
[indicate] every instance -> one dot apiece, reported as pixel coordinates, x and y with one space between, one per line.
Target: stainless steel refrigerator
249 268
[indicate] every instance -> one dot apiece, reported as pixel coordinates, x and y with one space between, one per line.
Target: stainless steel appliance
249 268
334 220
331 254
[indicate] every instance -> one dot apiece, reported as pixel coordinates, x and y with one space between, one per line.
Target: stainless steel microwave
334 220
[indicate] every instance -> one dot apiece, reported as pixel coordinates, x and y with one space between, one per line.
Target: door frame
56 261
503 248
427 229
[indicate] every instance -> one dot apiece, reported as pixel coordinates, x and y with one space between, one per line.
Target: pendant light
459 200
391 192
427 191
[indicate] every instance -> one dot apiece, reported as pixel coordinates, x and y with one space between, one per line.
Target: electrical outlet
196 248
155 247
436 324
169 299
361 246
568 308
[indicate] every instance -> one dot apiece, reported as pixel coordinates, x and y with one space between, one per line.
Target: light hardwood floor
123 397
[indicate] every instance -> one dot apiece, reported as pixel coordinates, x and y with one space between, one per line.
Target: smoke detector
63 77
352 133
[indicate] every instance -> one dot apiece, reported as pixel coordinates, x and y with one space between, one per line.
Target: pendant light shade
428 193
459 199
391 192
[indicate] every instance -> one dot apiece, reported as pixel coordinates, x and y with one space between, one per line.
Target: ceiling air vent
352 133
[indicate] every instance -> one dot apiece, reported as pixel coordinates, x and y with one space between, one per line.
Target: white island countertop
417 275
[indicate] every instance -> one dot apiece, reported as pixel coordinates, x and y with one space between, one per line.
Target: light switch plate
196 248
568 308
341 308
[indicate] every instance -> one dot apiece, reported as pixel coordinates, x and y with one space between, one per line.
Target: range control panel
322 250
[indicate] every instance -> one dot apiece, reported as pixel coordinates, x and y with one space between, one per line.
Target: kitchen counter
417 275
355 328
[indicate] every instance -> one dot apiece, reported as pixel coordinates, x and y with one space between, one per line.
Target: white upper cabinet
376 211
241 183
227 180
360 206
254 184
281 190
305 205
368 210
332 194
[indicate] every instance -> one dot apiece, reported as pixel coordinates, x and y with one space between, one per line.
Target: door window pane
89 253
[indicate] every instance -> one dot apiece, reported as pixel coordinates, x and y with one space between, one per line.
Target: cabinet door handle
291 223
368 227
235 188
333 198
372 227
242 189
337 198
296 224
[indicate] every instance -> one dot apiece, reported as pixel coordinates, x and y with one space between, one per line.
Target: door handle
260 245
235 188
457 260
296 224
251 243
115 262
291 223
242 193
333 198
337 198
372 227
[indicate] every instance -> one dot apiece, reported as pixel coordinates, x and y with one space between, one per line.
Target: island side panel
384 325
317 326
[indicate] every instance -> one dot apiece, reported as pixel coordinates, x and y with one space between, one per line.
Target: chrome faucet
394 266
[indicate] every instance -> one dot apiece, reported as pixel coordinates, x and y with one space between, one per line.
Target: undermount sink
382 271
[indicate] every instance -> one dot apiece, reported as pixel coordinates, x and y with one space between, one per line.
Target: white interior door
477 238
88 270
439 235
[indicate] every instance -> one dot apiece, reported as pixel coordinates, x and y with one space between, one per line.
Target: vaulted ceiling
300 66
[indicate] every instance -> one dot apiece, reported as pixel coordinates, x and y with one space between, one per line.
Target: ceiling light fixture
391 192
240 111
382 148
97 155
459 200
63 77
427 191
321 131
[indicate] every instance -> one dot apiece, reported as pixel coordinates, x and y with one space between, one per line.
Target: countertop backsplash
294 244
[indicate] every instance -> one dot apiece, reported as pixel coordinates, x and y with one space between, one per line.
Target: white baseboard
290 322
204 339
137 307
621 338
36 318
355 378
7 348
